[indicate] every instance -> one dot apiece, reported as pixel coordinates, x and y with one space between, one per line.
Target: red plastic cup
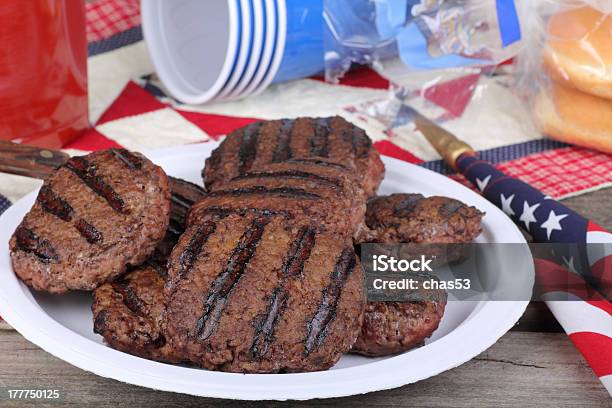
43 71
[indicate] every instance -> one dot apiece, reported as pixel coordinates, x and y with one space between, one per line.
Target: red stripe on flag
133 100
552 277
596 349
362 77
216 125
591 227
392 150
604 305
92 140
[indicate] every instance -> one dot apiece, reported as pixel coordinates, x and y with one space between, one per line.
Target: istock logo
384 263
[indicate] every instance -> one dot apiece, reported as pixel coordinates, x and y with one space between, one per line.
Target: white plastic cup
202 49
193 45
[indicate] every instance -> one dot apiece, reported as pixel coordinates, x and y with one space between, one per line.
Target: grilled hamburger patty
413 218
328 195
320 141
93 217
393 327
256 292
128 312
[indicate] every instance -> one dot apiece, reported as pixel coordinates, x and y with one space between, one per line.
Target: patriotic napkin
130 108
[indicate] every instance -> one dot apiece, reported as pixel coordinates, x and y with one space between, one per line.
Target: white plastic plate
62 325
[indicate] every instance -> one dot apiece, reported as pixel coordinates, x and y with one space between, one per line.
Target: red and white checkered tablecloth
129 108
107 18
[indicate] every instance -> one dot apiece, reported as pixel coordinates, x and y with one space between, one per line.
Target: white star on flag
553 223
570 264
527 216
506 204
482 184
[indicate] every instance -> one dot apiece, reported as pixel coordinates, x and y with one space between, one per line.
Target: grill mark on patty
184 189
319 141
298 254
294 174
28 241
130 299
99 326
317 162
194 247
54 204
248 147
287 192
219 295
222 212
132 161
449 208
181 201
361 143
326 312
86 171
405 207
88 231
283 152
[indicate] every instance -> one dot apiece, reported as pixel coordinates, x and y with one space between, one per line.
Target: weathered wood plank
522 369
596 206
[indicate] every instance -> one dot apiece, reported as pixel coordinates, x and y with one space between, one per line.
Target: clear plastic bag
564 70
421 46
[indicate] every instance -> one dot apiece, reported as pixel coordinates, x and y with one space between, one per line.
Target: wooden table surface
533 365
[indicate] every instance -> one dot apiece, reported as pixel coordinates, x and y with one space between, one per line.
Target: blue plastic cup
303 55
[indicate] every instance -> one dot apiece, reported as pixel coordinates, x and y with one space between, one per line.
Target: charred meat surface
128 313
327 195
324 142
256 292
92 218
413 218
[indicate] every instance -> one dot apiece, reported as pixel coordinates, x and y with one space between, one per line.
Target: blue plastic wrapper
419 43
422 35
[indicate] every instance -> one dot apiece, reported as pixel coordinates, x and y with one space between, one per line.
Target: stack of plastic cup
206 50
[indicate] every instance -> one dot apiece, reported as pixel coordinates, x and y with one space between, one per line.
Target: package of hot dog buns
564 70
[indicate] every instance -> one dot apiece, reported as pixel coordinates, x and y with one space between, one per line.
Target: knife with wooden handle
29 161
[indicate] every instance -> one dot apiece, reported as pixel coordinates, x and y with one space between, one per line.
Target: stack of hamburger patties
577 107
257 273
